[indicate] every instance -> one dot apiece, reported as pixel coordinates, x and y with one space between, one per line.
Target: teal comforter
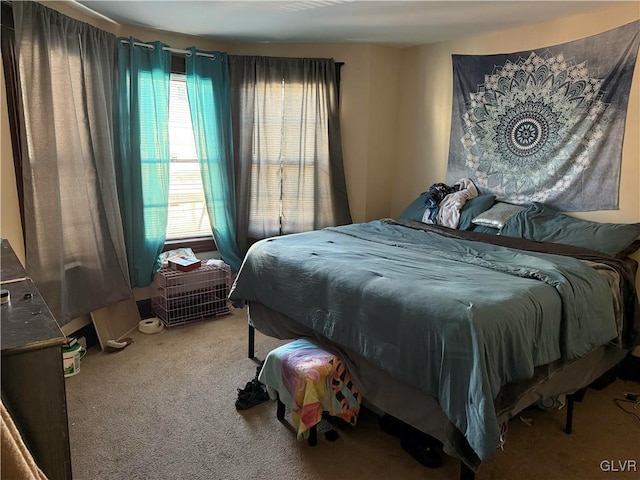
456 318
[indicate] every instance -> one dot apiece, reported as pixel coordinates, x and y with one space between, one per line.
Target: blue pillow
483 229
543 223
472 208
416 209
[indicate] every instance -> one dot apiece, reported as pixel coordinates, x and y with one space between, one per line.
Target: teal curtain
143 173
210 103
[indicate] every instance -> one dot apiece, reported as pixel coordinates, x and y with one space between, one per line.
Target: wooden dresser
33 388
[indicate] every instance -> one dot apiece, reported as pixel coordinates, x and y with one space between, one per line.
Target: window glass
290 142
187 208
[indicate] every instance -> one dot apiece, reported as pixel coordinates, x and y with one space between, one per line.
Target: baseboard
76 324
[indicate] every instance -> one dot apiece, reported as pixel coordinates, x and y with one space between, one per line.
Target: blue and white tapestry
545 125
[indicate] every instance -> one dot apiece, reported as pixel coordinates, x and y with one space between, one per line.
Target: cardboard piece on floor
115 321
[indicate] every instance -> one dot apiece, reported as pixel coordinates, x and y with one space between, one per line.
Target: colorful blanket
310 381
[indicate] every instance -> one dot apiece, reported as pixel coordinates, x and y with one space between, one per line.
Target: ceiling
395 23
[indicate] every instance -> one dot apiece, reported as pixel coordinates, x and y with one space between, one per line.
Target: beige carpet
163 408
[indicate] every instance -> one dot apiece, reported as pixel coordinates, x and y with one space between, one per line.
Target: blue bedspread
456 318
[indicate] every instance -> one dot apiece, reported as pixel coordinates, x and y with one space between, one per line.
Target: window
288 171
289 175
187 208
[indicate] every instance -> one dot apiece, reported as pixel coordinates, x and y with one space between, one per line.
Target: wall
383 130
10 223
426 93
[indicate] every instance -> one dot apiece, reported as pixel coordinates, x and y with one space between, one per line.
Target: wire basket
184 297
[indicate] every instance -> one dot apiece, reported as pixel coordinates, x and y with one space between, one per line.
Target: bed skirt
418 408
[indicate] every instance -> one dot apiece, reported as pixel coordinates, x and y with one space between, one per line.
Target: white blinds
290 146
187 208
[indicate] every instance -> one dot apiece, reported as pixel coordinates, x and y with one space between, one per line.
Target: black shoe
393 426
398 428
251 399
630 368
252 394
424 453
249 387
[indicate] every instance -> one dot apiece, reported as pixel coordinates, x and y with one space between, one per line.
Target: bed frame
418 408
569 378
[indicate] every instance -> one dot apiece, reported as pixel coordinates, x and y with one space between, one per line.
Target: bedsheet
455 318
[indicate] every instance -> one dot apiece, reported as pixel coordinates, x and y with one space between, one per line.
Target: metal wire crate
184 297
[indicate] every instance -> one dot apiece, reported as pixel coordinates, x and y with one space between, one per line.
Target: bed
452 331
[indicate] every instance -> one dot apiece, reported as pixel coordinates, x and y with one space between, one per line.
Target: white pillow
497 215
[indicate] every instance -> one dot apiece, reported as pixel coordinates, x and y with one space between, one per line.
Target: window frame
197 244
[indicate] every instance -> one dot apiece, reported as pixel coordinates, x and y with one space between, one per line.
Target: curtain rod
185 52
168 49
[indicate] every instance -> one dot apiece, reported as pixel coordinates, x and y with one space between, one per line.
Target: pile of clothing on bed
444 203
461 206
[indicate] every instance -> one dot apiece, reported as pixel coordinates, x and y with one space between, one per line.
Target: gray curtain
288 149
73 231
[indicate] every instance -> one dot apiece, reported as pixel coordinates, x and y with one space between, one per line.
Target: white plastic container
71 356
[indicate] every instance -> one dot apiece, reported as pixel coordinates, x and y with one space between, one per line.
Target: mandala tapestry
545 125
